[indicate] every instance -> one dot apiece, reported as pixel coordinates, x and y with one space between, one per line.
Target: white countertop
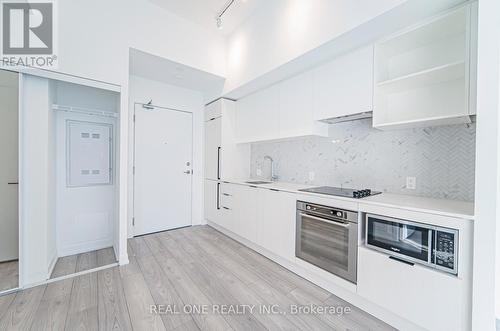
443 207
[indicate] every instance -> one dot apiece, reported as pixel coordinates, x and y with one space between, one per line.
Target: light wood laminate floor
71 264
9 275
191 266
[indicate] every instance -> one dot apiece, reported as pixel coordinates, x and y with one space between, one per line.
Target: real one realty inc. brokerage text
242 309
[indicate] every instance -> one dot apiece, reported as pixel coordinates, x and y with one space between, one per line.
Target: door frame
152 106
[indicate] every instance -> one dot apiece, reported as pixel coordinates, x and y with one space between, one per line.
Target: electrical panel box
89 153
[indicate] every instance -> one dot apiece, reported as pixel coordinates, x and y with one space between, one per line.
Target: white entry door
163 169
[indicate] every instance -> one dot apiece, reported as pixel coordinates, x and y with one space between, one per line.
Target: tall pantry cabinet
224 159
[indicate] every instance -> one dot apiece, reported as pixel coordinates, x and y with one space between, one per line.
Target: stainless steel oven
413 242
328 238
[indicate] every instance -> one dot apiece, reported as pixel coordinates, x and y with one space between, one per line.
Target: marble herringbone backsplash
356 155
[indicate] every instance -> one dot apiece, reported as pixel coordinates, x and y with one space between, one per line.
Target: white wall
35 190
286 29
86 216
94 40
497 277
164 95
51 232
95 36
487 155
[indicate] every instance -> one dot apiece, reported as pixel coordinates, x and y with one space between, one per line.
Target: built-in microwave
413 242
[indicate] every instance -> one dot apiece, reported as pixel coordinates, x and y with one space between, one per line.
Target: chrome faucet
273 175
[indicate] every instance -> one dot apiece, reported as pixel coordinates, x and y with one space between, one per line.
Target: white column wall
487 155
35 167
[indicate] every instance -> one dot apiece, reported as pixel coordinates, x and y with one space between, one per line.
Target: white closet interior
78 228
86 190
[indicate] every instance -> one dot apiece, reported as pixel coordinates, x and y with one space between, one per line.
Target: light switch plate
258 172
411 183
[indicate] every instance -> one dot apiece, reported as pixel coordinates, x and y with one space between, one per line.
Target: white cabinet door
344 86
213 110
276 222
212 213
245 206
212 148
296 117
227 206
257 116
427 297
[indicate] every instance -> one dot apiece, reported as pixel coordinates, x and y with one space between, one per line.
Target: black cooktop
341 192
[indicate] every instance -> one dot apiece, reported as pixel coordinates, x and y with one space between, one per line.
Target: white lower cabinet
212 214
262 216
245 202
227 206
429 298
276 222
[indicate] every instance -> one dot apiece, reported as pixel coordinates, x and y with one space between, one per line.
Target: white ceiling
160 69
203 12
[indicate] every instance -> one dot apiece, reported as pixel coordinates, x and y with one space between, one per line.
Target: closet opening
69 177
84 143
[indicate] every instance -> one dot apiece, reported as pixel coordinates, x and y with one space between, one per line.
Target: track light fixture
218 18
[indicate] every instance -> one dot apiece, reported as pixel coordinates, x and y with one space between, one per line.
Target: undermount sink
258 182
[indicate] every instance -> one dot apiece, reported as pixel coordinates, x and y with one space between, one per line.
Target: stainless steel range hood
347 118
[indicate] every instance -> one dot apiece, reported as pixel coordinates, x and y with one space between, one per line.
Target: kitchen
336 155
299 165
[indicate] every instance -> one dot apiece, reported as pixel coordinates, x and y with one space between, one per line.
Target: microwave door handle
431 244
342 225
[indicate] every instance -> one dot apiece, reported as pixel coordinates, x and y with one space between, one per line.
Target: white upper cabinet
344 86
224 158
213 110
257 116
281 111
296 115
423 74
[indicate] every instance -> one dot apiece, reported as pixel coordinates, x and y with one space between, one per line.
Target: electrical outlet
258 172
411 183
311 175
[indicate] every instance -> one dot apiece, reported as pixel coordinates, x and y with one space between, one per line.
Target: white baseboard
123 260
84 247
52 265
115 250
34 280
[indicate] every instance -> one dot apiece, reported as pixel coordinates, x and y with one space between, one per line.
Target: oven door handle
324 220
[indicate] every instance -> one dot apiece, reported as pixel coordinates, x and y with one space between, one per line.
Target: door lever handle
187 172
13 183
